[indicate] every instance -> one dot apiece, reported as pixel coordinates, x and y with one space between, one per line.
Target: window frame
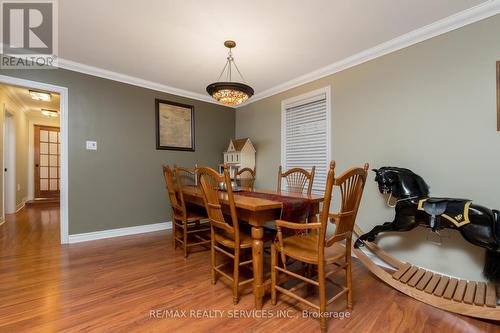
303 99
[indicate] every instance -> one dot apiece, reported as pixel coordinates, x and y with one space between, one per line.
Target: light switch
91 145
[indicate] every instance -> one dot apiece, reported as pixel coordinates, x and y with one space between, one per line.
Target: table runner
292 209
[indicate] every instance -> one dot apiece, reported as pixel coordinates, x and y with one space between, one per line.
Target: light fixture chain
223 70
241 75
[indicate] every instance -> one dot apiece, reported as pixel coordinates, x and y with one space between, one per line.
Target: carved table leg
258 265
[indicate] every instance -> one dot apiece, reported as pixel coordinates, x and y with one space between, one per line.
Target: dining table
256 211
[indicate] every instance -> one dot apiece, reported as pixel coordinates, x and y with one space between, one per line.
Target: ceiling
31 106
179 43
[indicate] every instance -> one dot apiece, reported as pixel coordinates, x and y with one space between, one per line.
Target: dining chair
320 249
186 224
296 180
245 177
186 175
225 232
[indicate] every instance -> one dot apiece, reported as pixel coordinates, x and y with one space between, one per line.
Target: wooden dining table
256 212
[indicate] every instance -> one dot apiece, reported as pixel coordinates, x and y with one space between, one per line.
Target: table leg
258 265
313 218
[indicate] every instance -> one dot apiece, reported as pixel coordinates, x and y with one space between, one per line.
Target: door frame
63 125
9 163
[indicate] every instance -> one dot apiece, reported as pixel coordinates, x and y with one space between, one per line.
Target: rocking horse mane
416 183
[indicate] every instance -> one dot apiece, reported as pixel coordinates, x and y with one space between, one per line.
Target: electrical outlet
19 187
91 145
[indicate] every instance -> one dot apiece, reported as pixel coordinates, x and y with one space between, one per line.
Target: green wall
120 184
430 107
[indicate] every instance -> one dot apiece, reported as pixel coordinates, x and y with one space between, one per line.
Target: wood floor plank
119 284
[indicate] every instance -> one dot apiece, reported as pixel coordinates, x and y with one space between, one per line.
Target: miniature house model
240 154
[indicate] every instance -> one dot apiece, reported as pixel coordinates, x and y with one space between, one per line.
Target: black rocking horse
477 224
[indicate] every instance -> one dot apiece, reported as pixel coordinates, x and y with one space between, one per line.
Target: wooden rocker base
469 298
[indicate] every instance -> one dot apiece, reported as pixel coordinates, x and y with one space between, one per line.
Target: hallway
112 285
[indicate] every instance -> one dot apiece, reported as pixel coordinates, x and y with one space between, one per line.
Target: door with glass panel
47 161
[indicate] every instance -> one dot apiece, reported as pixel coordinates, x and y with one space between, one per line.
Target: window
305 134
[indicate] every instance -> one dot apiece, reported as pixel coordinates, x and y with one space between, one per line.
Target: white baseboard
21 204
376 260
90 236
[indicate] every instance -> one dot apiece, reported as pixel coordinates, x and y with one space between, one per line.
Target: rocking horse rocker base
469 298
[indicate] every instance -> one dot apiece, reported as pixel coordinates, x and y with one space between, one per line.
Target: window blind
306 138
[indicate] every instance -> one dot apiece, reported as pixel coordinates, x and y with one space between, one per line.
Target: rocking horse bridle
399 200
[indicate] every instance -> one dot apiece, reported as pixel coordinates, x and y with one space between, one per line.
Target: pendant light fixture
229 92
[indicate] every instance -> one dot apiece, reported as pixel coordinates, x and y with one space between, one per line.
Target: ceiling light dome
228 92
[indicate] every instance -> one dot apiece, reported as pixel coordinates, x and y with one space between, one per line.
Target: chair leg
184 238
236 275
310 274
322 296
348 273
174 232
212 257
273 274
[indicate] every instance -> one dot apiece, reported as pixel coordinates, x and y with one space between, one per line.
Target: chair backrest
245 177
351 184
186 176
296 179
209 181
173 189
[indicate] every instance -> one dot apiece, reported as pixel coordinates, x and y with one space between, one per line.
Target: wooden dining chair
245 177
319 249
224 233
185 224
296 180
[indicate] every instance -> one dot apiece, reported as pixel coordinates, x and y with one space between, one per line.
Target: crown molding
115 76
450 23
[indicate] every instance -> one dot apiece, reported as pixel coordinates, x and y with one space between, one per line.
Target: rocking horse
477 224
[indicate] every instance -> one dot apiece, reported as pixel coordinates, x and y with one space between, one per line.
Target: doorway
47 162
62 145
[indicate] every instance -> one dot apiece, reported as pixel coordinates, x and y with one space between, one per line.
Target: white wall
431 108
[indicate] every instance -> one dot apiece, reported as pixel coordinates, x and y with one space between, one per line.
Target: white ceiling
31 106
179 43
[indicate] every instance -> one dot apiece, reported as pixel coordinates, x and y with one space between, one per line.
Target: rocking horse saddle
454 210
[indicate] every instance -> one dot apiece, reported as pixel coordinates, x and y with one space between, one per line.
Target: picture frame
175 128
498 95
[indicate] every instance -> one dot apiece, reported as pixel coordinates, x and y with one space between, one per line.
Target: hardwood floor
113 285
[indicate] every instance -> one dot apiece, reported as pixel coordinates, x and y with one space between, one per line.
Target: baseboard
90 236
2 220
376 260
21 205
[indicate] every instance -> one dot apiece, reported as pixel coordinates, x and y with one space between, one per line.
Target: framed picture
498 95
174 126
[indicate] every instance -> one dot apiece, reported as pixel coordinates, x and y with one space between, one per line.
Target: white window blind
305 136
